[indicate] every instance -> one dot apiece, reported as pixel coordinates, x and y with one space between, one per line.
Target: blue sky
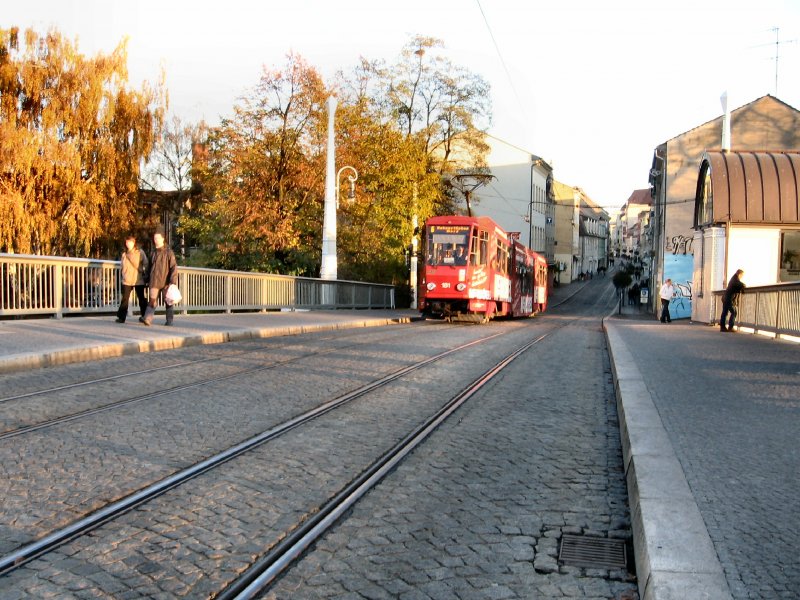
590 86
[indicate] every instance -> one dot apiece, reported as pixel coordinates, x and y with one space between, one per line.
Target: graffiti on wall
679 244
678 267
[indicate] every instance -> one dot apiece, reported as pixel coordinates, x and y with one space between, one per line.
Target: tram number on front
446 284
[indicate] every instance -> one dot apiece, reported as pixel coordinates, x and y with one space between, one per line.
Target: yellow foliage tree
72 137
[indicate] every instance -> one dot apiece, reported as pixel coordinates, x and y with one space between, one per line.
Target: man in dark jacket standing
730 300
163 273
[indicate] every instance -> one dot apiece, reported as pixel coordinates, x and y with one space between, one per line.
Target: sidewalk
36 343
709 426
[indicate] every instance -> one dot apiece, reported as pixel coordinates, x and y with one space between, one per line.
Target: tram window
447 245
502 257
524 276
483 246
474 252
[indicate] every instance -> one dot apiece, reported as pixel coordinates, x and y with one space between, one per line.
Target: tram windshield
448 245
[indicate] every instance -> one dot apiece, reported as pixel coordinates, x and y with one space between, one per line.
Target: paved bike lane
709 428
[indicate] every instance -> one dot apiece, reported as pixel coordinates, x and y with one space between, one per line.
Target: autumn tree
401 128
72 136
264 177
410 126
171 164
445 106
394 184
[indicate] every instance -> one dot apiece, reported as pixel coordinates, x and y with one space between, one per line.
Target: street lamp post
351 193
329 266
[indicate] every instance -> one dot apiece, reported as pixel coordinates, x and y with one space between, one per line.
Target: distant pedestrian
133 266
730 300
666 294
633 293
163 273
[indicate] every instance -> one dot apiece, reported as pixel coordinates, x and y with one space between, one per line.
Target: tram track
282 553
169 366
264 571
291 545
110 511
10 433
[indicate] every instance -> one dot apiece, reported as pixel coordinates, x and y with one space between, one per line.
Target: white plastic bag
173 295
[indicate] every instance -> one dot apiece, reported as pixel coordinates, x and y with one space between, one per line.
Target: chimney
726 123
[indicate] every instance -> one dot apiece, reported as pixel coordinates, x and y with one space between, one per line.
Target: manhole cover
592 552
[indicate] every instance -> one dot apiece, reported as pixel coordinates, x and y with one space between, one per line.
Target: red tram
473 270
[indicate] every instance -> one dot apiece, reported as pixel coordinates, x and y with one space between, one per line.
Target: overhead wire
500 56
610 207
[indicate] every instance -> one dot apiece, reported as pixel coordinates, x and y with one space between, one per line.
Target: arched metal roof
748 187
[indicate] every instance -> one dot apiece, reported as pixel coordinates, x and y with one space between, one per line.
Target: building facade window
790 256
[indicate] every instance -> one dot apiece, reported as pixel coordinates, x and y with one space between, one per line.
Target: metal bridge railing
37 285
771 308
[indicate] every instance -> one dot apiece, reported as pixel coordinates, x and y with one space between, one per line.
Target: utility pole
466 183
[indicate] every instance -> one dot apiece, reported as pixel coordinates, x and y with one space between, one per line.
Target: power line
500 56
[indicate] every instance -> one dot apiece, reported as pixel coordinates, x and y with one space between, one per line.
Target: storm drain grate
592 552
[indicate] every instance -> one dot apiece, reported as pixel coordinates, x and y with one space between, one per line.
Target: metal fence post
228 294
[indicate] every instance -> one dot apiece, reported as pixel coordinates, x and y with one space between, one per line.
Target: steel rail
264 571
187 363
77 528
9 433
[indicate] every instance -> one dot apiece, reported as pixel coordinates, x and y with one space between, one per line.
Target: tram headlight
461 287
431 286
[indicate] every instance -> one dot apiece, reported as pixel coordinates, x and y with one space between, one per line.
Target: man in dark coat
163 273
730 300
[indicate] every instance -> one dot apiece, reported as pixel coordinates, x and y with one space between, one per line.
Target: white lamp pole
412 279
329 263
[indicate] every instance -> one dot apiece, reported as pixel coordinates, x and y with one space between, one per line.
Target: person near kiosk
730 301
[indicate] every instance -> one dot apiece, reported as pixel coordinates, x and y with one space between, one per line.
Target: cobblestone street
477 511
480 511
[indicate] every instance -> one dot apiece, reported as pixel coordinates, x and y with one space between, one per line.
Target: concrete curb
112 350
675 557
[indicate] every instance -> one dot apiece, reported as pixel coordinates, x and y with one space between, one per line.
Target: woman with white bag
163 274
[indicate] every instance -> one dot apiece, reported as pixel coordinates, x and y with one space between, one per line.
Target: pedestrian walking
133 266
633 294
163 273
666 294
730 300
